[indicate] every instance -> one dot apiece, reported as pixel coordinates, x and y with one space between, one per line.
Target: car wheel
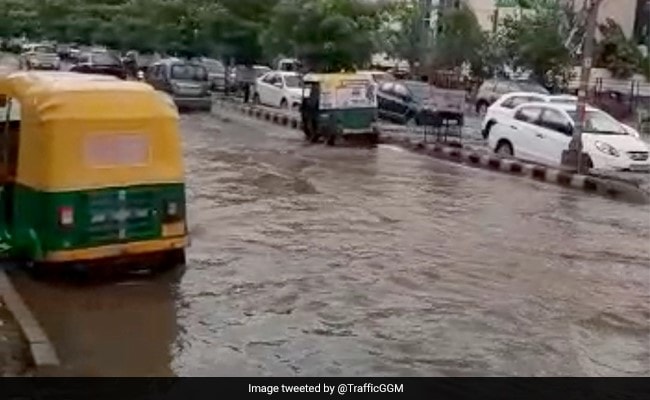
481 107
504 148
284 104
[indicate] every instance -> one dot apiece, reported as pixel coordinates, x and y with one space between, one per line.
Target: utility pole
574 156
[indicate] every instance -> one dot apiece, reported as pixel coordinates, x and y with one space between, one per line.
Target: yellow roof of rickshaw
69 95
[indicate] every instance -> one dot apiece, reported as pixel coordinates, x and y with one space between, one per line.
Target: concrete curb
458 153
41 349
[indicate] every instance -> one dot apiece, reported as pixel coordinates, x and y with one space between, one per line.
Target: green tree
399 34
460 39
535 41
616 52
326 35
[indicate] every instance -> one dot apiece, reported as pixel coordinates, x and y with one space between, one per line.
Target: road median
458 152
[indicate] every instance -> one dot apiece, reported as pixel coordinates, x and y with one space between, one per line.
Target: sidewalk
14 351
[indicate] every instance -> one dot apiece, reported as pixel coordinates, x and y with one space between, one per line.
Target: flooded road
309 260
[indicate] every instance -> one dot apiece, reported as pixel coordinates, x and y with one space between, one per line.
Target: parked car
216 73
491 90
40 56
279 89
541 132
238 81
100 63
504 108
186 82
419 103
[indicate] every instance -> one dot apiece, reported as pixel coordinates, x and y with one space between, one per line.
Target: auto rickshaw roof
69 95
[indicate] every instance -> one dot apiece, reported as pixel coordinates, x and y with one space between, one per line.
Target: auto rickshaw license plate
173 229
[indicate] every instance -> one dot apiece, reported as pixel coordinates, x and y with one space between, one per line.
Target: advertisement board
355 94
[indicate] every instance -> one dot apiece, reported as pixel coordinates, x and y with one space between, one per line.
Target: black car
100 62
419 103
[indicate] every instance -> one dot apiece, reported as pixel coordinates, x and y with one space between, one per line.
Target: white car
279 89
540 132
504 108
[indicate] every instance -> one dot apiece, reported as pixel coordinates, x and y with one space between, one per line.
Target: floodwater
309 260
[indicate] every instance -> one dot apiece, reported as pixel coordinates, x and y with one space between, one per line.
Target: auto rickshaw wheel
332 136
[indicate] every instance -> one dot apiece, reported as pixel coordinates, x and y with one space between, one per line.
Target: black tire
332 136
284 104
504 148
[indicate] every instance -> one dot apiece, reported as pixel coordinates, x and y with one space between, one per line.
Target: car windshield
105 59
293 81
44 49
531 87
600 123
421 91
189 72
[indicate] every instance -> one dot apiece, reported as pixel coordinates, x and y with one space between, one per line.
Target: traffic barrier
453 151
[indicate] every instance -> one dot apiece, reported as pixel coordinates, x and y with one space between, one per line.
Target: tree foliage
460 39
331 33
616 52
535 42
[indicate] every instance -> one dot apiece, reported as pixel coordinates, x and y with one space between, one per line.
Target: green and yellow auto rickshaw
339 106
90 170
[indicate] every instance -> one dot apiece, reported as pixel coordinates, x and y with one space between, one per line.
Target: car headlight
607 149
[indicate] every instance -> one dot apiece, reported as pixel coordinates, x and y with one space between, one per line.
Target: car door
384 99
522 132
265 88
554 136
278 91
402 102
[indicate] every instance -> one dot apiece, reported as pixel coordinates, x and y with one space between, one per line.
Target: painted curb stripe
41 349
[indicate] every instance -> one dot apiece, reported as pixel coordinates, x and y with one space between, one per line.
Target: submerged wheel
505 149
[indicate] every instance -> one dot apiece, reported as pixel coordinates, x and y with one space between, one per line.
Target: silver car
492 89
40 56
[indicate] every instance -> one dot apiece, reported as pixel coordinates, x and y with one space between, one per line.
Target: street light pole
574 155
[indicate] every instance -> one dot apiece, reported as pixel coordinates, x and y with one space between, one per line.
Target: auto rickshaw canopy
81 131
